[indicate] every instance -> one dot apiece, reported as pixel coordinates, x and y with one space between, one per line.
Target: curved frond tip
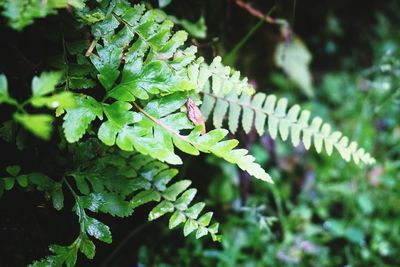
266 111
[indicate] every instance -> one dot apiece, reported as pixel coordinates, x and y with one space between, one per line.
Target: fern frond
263 111
144 180
207 143
141 44
154 181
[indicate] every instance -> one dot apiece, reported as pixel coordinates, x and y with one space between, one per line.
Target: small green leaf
22 180
177 218
197 29
39 124
185 146
201 231
144 197
174 190
205 219
71 256
97 229
62 100
213 229
78 119
9 183
184 200
81 184
110 203
4 96
163 106
57 197
63 254
164 3
45 83
41 181
87 247
294 58
8 131
13 170
162 208
189 227
194 211
216 238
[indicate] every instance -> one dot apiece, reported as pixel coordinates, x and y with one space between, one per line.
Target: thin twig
257 13
91 47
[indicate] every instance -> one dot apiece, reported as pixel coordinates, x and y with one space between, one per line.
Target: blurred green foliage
321 212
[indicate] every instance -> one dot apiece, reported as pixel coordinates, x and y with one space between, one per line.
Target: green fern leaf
294 123
78 119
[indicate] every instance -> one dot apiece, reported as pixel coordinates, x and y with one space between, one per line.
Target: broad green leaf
39 124
41 181
22 180
45 83
78 119
62 100
162 208
63 254
9 183
178 121
70 257
13 170
294 58
118 128
110 203
81 184
163 106
97 229
87 247
107 62
153 78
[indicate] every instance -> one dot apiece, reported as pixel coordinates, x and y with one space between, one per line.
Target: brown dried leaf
194 115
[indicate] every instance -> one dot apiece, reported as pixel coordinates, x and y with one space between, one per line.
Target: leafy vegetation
120 96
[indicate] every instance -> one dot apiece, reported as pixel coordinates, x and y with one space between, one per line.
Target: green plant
123 108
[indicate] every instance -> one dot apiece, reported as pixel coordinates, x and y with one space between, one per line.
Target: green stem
230 57
80 210
74 194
